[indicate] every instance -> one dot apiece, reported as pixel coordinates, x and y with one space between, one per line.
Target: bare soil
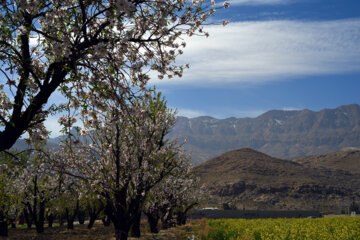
100 232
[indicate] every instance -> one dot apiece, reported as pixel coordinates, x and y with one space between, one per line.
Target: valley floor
99 232
335 228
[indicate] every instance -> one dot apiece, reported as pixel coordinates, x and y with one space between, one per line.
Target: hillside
251 179
282 134
346 160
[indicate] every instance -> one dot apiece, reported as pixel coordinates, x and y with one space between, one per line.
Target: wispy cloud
190 113
259 2
257 52
252 113
291 109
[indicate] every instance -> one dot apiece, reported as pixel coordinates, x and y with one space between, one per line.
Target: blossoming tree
8 197
51 44
173 197
36 186
127 155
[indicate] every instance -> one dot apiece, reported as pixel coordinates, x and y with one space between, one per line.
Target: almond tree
51 44
36 185
127 155
7 194
11 166
173 197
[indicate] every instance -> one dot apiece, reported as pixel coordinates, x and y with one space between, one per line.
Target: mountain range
278 133
249 179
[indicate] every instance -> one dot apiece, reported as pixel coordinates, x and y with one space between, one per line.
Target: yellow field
332 228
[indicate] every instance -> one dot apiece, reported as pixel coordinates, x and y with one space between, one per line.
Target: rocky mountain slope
347 160
251 179
282 134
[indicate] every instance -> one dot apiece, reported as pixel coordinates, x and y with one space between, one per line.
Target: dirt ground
100 232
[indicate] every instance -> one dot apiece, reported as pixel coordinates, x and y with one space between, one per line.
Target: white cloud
291 109
52 124
257 52
221 113
258 2
190 113
251 113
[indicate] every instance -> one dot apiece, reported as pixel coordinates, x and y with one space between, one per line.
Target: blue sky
274 54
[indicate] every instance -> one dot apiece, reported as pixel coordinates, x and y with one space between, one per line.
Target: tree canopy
78 46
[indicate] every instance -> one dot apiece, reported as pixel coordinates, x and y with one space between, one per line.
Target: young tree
5 199
37 185
68 199
94 206
10 170
173 197
52 44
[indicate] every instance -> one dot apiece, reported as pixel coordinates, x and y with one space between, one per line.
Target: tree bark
50 219
107 215
167 220
61 220
181 218
3 226
91 222
93 212
106 221
28 219
40 219
20 121
81 217
135 227
121 231
70 219
153 221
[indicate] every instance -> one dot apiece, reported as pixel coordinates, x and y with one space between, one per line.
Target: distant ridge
245 177
279 133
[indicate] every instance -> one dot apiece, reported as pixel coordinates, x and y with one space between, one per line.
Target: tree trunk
70 224
153 220
70 219
167 220
40 228
40 218
107 213
92 217
106 221
81 217
20 121
91 222
119 235
181 218
61 220
121 231
93 212
50 219
135 227
28 219
3 226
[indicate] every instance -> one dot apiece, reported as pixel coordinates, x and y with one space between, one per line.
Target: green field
341 228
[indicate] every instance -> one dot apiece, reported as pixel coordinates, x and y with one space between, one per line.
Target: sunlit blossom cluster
77 46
